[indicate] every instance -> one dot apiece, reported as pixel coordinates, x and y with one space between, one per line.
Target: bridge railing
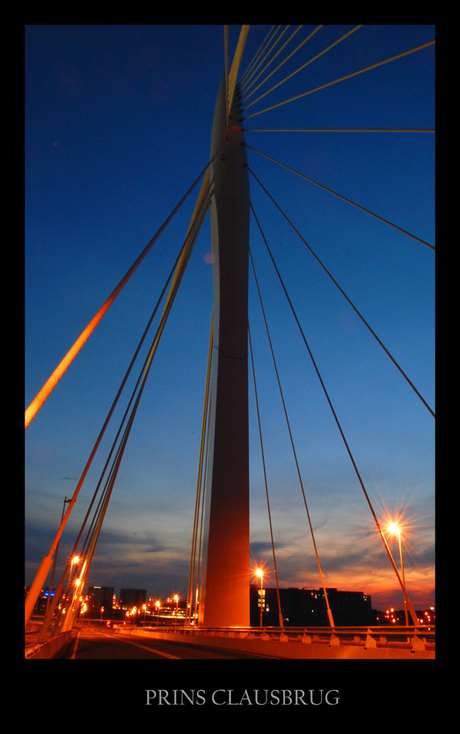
414 638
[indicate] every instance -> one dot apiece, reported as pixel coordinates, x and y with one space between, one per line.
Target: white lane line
74 647
149 649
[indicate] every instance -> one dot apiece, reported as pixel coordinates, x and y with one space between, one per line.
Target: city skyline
118 122
158 602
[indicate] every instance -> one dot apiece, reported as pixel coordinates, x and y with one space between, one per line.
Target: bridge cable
50 384
265 481
344 198
183 261
347 299
93 534
106 422
303 65
236 62
249 72
246 96
248 85
329 612
200 490
336 81
202 509
361 482
178 269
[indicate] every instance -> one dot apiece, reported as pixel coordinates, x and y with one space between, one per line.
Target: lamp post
395 530
260 573
176 599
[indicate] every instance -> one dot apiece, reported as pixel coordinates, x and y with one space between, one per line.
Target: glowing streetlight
78 581
260 573
394 529
73 562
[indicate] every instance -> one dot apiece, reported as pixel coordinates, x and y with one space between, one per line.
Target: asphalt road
96 644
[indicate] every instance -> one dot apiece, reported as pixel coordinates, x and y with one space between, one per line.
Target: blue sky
117 127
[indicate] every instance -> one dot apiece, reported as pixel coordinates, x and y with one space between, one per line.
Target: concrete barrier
280 645
49 649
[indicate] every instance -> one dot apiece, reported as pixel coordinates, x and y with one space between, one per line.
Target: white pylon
224 593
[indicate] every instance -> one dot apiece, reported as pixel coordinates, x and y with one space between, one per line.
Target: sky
117 127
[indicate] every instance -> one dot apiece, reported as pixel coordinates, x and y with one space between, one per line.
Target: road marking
144 647
74 647
151 649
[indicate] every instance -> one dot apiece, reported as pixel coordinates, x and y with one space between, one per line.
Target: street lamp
394 529
260 573
73 562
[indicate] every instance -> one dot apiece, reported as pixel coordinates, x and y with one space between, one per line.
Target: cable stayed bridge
220 566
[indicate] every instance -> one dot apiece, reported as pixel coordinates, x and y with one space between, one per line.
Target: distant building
307 607
100 596
130 598
43 599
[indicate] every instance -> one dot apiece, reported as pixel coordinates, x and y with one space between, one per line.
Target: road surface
97 644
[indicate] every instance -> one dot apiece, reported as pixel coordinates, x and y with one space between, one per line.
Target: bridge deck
320 643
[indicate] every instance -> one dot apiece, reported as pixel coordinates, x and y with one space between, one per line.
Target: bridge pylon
225 579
